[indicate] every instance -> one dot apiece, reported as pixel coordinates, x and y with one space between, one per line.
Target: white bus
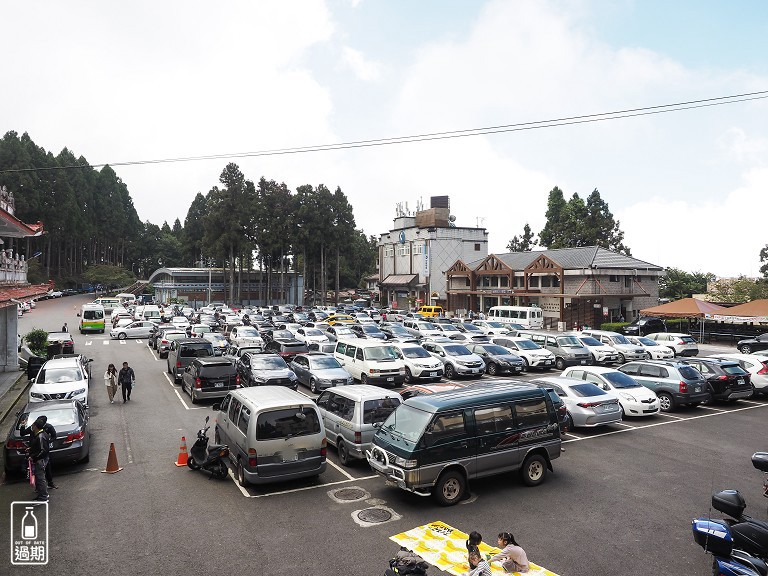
528 316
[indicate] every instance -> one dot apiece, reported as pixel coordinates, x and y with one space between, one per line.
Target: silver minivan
273 433
351 414
568 350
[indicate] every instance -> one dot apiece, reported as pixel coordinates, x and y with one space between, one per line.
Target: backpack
407 563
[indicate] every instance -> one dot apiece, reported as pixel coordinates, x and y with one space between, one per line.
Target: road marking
670 416
122 341
718 413
625 425
713 409
153 354
751 402
347 474
139 342
175 391
106 342
292 490
88 342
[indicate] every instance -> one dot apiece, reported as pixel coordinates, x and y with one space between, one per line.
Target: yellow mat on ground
445 547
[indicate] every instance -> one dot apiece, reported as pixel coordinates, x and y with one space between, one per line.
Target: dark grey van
182 352
435 444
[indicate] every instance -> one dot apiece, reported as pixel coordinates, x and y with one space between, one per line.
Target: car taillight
15 445
588 404
324 448
237 379
358 437
683 387
198 384
764 370
722 377
252 457
76 436
164 341
178 363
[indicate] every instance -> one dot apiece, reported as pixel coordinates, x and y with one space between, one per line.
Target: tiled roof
575 258
21 292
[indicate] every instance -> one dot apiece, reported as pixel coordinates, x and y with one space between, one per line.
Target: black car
562 411
286 349
209 378
751 345
644 325
367 331
727 380
73 434
265 370
497 358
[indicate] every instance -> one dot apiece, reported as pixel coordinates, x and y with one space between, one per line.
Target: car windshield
586 389
449 328
425 326
282 334
62 417
471 328
734 369
407 422
171 336
526 344
619 339
343 331
648 342
370 329
495 325
57 375
274 363
457 350
250 332
589 341
689 373
312 332
620 380
496 350
397 329
415 352
216 338
568 342
324 363
380 353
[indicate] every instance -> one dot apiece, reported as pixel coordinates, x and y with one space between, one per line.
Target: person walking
39 448
64 328
126 378
110 379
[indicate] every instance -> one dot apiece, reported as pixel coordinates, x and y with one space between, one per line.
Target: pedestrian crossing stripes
108 342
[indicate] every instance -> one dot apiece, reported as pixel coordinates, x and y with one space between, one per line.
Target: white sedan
655 350
138 329
634 398
241 335
533 355
491 327
180 322
308 335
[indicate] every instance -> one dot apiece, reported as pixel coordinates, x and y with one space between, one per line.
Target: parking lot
620 499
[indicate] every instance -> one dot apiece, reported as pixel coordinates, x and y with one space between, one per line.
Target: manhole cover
374 515
350 494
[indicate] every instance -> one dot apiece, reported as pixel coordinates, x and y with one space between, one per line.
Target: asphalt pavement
620 500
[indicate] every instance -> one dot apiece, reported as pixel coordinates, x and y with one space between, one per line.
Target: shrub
613 326
37 340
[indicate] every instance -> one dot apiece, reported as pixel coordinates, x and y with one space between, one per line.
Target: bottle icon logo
29 525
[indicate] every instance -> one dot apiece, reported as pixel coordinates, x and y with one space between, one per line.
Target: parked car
265 370
468 338
419 364
339 331
497 359
180 322
634 398
319 371
270 335
448 328
73 434
397 332
653 350
368 330
457 359
681 344
674 382
421 328
601 353
324 347
245 335
533 355
492 327
587 404
726 379
164 341
219 343
426 389
308 335
624 348
181 352
568 350
137 329
351 415
334 319
209 378
750 345
197 330
286 349
61 379
469 327
757 366
644 326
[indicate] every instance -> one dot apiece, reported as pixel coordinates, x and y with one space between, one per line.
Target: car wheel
408 375
364 378
493 369
449 488
449 371
312 386
622 358
534 470
241 474
621 411
594 360
745 349
526 365
568 422
343 453
192 395
122 336
559 363
665 402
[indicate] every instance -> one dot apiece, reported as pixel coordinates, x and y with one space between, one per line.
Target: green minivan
436 444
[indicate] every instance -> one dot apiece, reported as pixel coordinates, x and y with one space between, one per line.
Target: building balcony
13 270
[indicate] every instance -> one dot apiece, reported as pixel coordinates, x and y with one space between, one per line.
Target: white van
108 303
127 299
527 316
151 312
274 434
370 361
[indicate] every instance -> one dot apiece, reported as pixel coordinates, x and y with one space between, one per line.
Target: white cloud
365 69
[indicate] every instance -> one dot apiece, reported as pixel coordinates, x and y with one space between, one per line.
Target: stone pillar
9 357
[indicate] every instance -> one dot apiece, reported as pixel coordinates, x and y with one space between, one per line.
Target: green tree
550 236
764 261
676 283
523 243
194 231
742 289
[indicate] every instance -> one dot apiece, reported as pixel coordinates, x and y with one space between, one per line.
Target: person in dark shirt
50 431
126 378
39 448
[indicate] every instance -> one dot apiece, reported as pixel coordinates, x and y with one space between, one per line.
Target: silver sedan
319 371
139 329
588 405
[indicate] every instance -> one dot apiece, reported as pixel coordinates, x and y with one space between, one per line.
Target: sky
119 82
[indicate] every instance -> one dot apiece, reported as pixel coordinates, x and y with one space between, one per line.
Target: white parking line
670 416
292 490
175 391
750 402
88 342
347 474
625 425
153 355
122 341
719 413
106 342
713 409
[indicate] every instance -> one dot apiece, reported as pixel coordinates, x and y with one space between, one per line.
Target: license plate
547 362
740 380
697 389
583 361
218 384
391 379
433 374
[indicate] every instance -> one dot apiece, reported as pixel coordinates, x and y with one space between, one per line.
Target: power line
446 135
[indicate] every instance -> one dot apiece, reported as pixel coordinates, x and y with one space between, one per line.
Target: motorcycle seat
215 447
756 564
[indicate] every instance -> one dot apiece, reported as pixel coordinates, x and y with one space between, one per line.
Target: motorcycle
208 458
715 537
749 534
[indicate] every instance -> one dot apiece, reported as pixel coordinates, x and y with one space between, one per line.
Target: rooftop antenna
480 221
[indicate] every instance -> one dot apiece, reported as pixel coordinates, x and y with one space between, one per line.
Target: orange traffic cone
112 465
183 456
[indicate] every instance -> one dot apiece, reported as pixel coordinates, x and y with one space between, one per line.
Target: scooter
715 537
208 458
749 534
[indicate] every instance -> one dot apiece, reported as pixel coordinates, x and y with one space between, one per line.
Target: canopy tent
685 308
754 308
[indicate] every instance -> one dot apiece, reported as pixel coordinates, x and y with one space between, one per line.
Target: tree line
92 225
